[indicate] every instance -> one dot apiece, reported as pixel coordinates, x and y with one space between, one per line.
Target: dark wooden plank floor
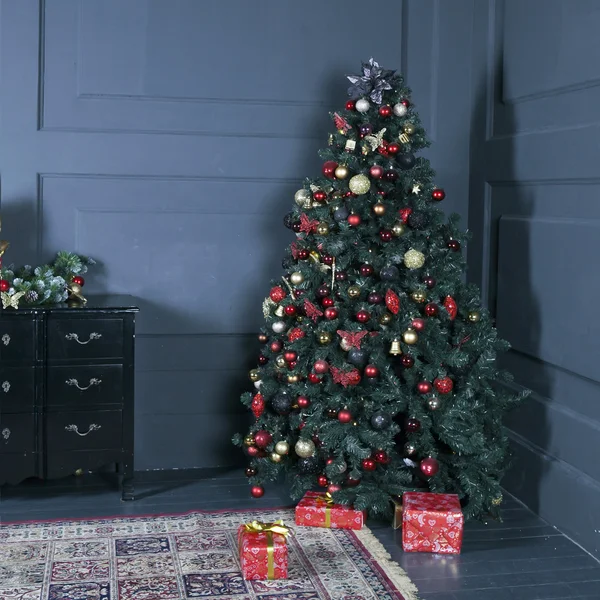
522 558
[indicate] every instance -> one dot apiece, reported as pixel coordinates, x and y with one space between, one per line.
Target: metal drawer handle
5 386
74 336
92 427
93 381
6 434
6 339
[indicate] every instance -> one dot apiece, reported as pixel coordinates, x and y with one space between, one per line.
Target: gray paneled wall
166 138
535 215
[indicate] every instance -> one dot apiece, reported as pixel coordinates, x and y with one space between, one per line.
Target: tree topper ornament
371 83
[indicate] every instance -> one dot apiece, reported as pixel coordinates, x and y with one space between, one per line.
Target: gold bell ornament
395 348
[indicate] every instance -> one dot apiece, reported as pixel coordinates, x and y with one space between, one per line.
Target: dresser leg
126 471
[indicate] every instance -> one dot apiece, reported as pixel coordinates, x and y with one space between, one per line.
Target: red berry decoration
362 316
393 148
385 110
4 285
443 385
314 378
320 196
431 309
413 425
366 270
418 324
407 361
262 438
327 302
290 310
290 356
385 235
371 371
79 280
368 464
429 281
354 220
454 245
277 293
303 402
321 366
331 313
276 346
257 491
424 387
376 171
350 105
322 481
344 416
429 466
329 168
381 457
438 194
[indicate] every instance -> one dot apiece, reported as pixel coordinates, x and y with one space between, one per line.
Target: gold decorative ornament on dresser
67 389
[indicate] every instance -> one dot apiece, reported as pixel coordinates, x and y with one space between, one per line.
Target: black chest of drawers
67 389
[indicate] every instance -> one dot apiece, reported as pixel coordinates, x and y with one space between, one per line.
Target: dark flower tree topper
377 373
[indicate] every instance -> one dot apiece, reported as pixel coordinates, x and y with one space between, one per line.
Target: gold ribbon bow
327 500
269 528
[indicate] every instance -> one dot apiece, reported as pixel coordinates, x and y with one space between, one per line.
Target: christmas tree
377 373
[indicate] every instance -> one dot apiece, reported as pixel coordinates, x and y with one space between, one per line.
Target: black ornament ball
341 213
406 160
390 273
380 420
288 220
357 357
282 402
308 465
418 220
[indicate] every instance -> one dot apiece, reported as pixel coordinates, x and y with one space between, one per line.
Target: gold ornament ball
353 291
296 278
409 128
303 198
474 316
304 448
293 378
254 375
324 338
414 259
379 209
419 296
342 172
249 440
322 229
385 318
276 458
280 361
315 256
282 447
359 184
410 337
398 229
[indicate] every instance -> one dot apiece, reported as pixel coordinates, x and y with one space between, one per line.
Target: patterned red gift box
263 550
318 510
431 523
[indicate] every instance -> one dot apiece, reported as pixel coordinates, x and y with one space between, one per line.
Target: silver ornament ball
362 105
278 327
304 448
296 278
400 110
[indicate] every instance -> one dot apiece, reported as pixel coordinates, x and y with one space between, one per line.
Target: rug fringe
392 569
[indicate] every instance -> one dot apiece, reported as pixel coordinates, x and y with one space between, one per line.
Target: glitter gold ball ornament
293 378
305 448
385 318
362 105
296 278
379 209
414 259
254 375
322 229
276 458
400 110
419 296
410 337
342 172
359 184
249 440
409 128
353 291
280 361
324 338
474 316
282 447
303 198
278 327
398 229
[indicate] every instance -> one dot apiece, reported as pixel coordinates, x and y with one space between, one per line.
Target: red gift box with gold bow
319 510
431 523
263 550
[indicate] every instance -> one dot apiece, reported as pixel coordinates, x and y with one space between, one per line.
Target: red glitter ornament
333 488
352 339
257 491
345 379
376 171
451 306
277 293
307 225
252 451
443 385
392 301
404 214
294 334
344 416
311 310
258 405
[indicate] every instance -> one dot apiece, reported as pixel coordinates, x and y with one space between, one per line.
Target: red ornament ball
381 457
354 220
262 438
321 366
385 235
406 102
429 466
429 281
331 313
296 227
443 385
407 361
290 356
424 387
252 451
262 360
257 491
329 168
413 425
4 285
438 194
333 488
329 460
431 309
374 298
385 110
350 105
391 175
371 371
344 416
366 270
327 301
303 254
418 324
314 378
322 481
327 259
376 171
393 148
368 464
303 402
319 196
322 291
276 346
290 310
362 316
79 280
351 482
454 245
277 293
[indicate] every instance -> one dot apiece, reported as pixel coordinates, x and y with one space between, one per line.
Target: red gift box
318 510
263 550
431 523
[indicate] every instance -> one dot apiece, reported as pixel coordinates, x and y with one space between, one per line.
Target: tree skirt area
192 555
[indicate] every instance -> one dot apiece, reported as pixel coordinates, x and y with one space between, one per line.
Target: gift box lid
446 503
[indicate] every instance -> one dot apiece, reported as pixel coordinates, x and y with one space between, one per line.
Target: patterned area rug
193 555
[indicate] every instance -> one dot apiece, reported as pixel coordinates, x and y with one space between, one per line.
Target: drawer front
17 389
79 430
17 433
17 339
80 387
85 338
